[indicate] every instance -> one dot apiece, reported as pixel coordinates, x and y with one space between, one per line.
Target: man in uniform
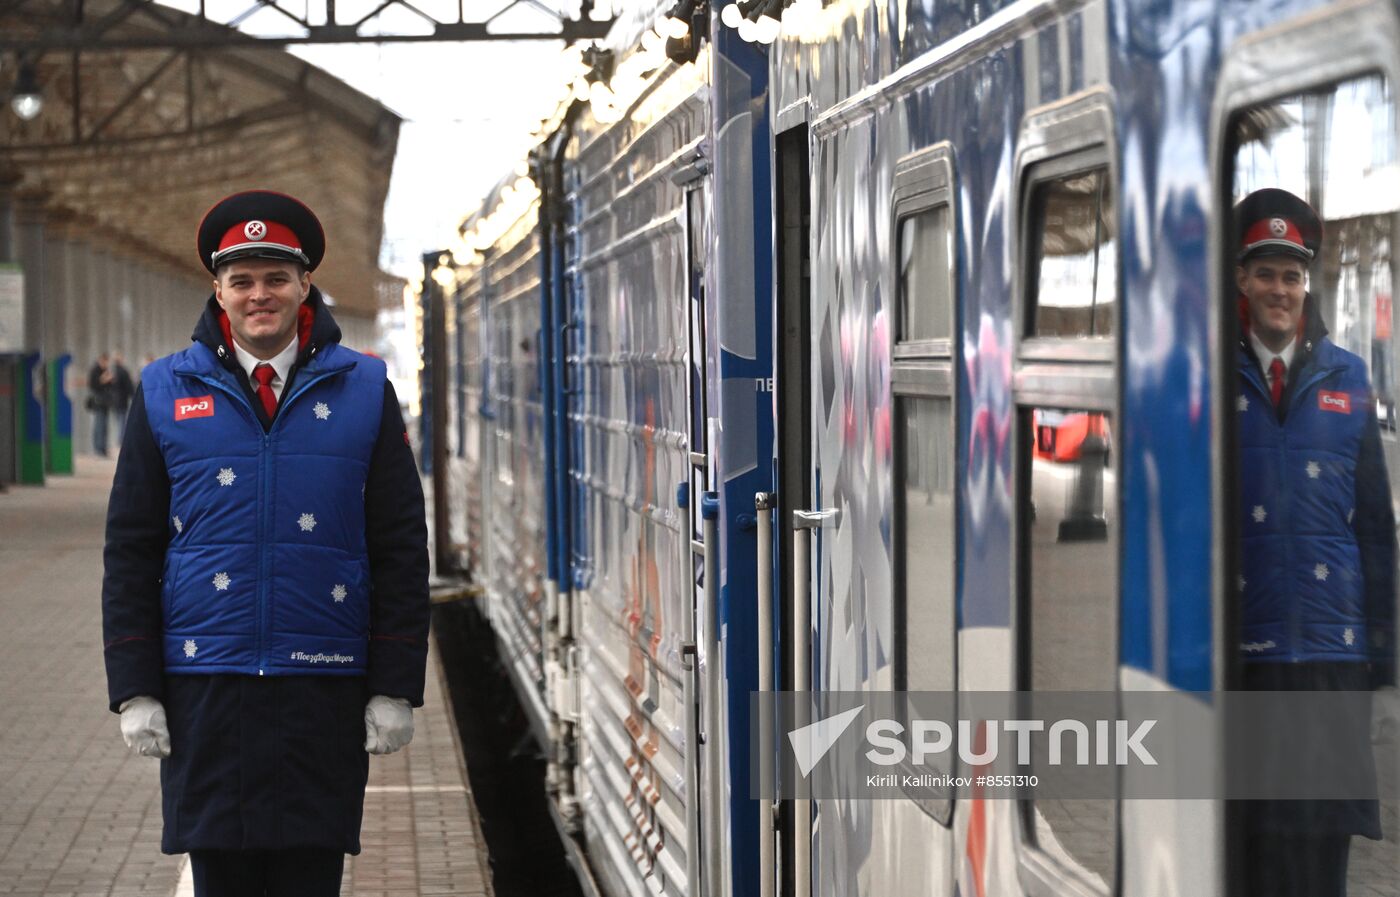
1317 532
265 608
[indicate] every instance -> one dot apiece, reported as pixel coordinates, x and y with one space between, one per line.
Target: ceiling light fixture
27 100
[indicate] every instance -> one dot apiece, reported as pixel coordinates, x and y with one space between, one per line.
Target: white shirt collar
1266 355
281 363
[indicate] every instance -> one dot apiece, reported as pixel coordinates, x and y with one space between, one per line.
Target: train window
926 532
1069 622
1073 275
1312 179
1065 384
925 263
925 275
924 432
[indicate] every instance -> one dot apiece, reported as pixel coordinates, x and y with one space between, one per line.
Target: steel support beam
217 37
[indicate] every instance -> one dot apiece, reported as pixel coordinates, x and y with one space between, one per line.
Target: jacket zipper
264 563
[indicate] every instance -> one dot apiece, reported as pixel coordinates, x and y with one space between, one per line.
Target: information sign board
11 308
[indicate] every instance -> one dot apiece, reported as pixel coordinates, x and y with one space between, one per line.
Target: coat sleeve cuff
134 668
397 666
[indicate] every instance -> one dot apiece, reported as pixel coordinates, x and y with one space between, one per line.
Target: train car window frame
1293 58
1070 136
924 369
1079 373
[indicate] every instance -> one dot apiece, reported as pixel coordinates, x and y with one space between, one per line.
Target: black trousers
267 873
1284 865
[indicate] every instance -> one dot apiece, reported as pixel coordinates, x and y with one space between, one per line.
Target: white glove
388 724
143 727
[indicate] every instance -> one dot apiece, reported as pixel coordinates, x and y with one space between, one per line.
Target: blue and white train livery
853 346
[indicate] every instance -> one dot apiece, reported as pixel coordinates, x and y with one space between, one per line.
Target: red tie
264 373
1275 379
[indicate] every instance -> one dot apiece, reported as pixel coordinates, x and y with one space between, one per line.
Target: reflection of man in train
1317 531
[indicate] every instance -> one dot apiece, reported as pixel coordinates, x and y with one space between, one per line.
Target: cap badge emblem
254 230
1278 226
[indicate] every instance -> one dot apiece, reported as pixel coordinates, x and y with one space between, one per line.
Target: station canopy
134 143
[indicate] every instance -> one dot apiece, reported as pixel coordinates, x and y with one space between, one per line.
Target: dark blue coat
275 761
1317 530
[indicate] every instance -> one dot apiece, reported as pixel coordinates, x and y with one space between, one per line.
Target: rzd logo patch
197 406
1339 402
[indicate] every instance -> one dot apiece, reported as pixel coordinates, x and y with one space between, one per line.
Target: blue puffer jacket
1317 526
267 570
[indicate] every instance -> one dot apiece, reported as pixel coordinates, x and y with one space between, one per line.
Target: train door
793 395
434 424
462 418
472 430
1310 467
701 829
1066 391
921 430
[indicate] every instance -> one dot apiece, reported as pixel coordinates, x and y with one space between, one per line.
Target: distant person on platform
99 401
265 599
122 391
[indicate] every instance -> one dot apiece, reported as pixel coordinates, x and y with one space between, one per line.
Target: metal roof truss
314 22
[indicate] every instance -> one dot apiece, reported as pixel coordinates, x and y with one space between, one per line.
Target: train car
600 364
895 347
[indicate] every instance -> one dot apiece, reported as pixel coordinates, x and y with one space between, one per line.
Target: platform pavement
80 815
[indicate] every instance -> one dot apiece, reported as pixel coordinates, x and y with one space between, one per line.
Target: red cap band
259 235
1278 233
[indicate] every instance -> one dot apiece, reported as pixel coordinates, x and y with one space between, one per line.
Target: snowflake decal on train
221 582
1320 572
227 476
179 524
1313 470
307 522
1349 636
322 411
1260 515
339 593
190 647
